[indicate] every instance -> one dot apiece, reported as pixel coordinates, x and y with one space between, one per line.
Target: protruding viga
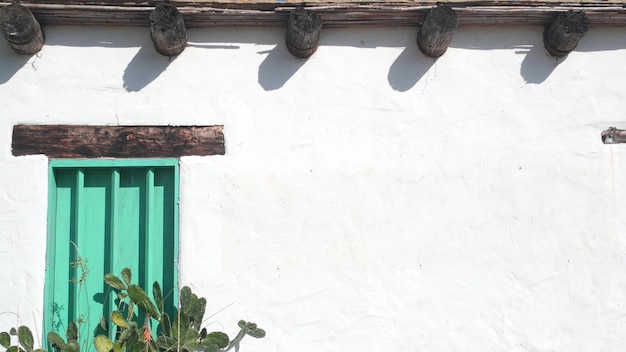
21 29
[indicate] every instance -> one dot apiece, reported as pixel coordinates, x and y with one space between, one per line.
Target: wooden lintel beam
68 141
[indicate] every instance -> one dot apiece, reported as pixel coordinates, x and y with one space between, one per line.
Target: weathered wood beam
613 136
303 32
66 141
435 34
167 30
202 14
21 29
266 4
562 35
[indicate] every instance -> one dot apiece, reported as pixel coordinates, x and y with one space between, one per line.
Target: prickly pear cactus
25 342
60 345
184 334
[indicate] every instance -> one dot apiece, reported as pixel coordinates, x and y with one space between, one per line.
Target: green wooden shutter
106 215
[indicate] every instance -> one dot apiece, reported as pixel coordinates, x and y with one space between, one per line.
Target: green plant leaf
125 335
118 346
183 326
184 297
165 343
40 350
103 324
216 338
258 333
158 296
127 276
136 347
56 341
131 311
152 347
165 323
102 343
5 339
72 346
197 312
241 323
161 343
212 348
25 338
13 331
114 282
72 332
132 336
192 335
118 319
13 349
141 299
191 339
193 299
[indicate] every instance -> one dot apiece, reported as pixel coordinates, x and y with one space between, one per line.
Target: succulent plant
25 341
184 334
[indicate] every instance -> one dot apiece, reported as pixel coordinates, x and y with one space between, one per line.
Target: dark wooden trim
21 29
167 30
270 4
435 34
67 141
562 35
303 32
613 136
202 14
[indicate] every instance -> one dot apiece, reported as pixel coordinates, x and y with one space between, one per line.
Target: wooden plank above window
67 141
336 13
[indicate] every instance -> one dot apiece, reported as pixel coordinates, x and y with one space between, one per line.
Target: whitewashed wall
370 199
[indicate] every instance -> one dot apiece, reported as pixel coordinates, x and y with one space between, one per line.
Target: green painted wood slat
104 216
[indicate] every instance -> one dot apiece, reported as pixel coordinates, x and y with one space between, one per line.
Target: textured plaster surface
370 198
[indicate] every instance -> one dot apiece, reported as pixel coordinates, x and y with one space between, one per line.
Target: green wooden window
105 215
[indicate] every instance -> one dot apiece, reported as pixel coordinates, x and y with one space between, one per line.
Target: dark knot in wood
303 32
562 35
21 29
435 34
168 31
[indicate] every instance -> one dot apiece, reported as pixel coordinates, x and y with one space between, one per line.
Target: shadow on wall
408 69
537 64
147 65
11 63
279 66
411 65
144 68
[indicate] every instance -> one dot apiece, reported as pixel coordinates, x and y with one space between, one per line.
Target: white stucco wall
370 198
